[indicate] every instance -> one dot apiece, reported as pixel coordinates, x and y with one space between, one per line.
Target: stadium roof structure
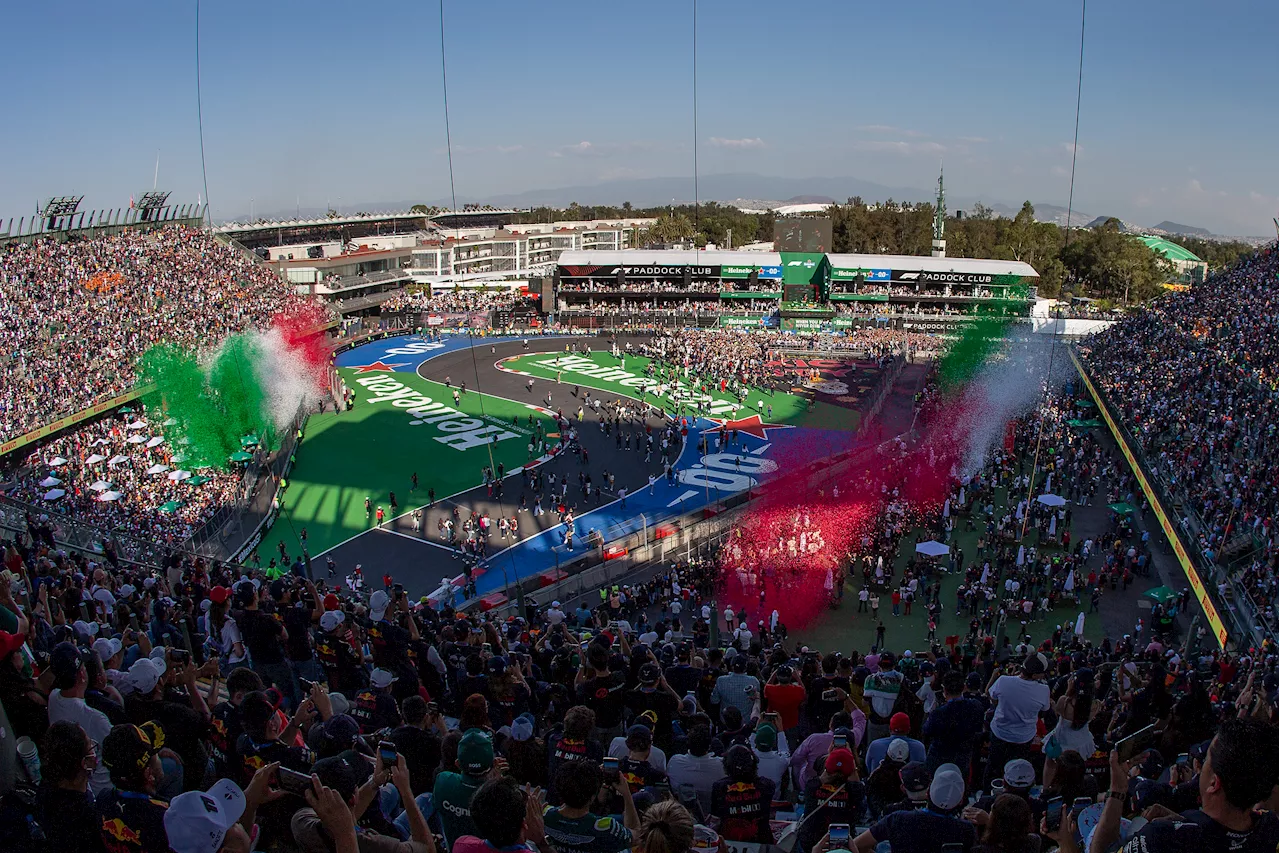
925 263
1169 250
670 257
240 227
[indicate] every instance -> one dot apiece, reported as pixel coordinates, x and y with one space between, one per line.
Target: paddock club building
796 290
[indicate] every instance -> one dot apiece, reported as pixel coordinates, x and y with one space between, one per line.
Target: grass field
609 377
376 447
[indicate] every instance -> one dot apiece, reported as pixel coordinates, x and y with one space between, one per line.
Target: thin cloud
973 139
888 128
1072 148
902 147
738 144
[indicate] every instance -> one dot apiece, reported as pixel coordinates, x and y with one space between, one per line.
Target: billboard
802 234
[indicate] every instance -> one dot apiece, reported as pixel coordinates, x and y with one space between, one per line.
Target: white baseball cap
331 619
378 605
107 648
947 789
381 678
89 629
145 674
197 821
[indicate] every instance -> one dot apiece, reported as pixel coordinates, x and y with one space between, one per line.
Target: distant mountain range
755 192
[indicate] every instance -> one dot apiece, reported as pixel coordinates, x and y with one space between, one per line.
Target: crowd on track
79 312
1193 377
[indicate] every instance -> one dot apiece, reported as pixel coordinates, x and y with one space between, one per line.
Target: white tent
47 482
57 461
155 442
138 425
54 494
932 548
1052 500
116 460
137 439
179 475
110 496
1022 555
100 486
95 459
157 469
101 442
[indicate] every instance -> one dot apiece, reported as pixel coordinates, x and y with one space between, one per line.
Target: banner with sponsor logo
948 277
851 273
859 297
746 294
729 321
804 324
745 271
459 320
804 268
1216 626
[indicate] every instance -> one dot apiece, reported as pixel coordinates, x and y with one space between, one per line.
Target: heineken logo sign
459 431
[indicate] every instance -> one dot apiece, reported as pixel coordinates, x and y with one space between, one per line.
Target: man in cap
915 779
219 820
265 638
836 795
357 784
899 730
928 829
224 722
453 791
771 752
390 642
953 726
183 721
132 814
656 697
1020 699
66 702
572 828
374 707
342 661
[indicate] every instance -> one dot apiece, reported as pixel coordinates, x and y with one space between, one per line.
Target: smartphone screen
1184 759
1136 743
1079 804
839 742
293 781
387 752
838 833
1053 814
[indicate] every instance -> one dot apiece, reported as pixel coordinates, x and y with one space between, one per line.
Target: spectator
834 796
1020 700
66 808
923 830
694 773
572 828
899 730
954 726
742 801
453 791
66 702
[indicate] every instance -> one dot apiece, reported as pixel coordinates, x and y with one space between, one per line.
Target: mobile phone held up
1053 814
293 781
611 768
387 752
838 836
1136 744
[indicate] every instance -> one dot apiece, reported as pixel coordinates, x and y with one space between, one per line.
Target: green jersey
453 793
586 834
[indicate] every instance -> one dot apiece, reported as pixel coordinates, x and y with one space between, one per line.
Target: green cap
766 738
475 752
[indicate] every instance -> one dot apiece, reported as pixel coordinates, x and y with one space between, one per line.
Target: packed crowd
80 312
1193 378
452 301
109 477
201 710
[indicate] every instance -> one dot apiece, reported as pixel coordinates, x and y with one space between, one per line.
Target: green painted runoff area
400 424
625 376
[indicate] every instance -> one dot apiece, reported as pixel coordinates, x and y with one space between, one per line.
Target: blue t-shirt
923 831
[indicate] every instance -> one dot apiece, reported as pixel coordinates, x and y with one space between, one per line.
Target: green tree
419 208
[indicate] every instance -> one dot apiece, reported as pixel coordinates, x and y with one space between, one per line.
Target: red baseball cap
900 724
840 761
331 602
219 594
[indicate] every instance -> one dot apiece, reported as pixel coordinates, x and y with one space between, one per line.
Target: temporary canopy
179 475
110 496
116 460
100 486
50 481
157 469
57 461
99 442
138 425
198 480
137 439
54 494
155 442
1121 508
1160 594
1052 500
95 458
170 422
932 548
241 456
169 507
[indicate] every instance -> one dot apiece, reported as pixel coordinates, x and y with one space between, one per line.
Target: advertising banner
758 294
729 321
1216 627
947 277
804 268
803 324
859 297
745 271
83 415
851 273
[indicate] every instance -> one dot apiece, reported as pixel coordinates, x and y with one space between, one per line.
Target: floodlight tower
940 221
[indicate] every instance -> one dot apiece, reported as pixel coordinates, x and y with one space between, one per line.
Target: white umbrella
50 481
946 509
932 548
157 469
155 442
1080 624
110 496
1053 525
54 494
137 439
95 459
137 425
100 486
962 494
56 461
1022 555
116 460
1052 500
101 442
1070 582
179 475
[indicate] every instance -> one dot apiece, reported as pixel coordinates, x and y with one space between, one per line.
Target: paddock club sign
669 272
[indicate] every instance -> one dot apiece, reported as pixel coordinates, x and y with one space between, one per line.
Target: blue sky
320 102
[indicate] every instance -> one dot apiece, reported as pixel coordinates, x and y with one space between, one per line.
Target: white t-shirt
95 725
1020 703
